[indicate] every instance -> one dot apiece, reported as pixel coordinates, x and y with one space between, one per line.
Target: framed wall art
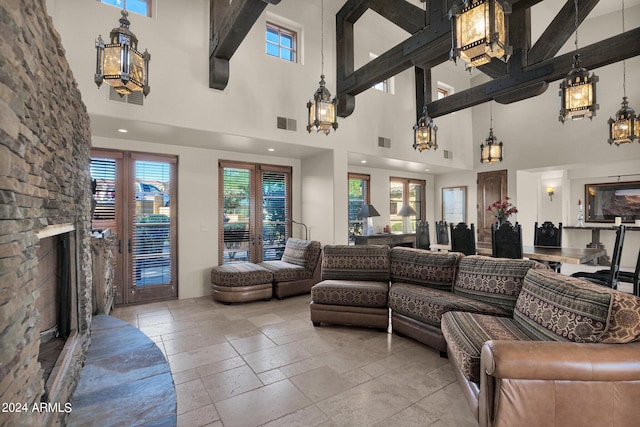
606 201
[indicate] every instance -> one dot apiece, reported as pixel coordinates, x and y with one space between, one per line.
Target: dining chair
463 238
422 235
506 240
548 235
442 233
608 277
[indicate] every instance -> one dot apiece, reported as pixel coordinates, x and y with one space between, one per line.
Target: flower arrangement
502 209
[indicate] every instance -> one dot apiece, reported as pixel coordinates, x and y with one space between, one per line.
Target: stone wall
45 143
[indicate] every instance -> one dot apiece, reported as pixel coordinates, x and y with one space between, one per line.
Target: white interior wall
318 198
198 205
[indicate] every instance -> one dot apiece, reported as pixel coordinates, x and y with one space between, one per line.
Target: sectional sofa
529 346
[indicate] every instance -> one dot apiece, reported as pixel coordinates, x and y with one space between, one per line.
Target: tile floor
263 363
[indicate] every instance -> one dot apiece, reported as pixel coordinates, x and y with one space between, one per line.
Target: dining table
542 253
551 253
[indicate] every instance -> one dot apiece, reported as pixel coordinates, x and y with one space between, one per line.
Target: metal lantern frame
625 128
492 151
322 110
425 133
480 31
578 93
119 63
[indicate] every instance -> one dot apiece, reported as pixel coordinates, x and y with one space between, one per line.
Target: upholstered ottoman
355 286
241 282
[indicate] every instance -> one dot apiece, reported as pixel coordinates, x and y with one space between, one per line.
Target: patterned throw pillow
493 280
624 321
552 308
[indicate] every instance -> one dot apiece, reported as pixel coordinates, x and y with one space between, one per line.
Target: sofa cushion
428 305
240 274
303 253
354 293
348 262
554 308
624 318
465 334
285 272
425 268
493 280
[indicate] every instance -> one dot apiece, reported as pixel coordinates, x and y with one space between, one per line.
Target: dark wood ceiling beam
427 48
561 29
229 25
600 54
402 13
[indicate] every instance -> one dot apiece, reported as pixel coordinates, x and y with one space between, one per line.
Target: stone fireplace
45 194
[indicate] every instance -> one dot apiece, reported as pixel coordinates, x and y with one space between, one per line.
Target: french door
135 198
255 205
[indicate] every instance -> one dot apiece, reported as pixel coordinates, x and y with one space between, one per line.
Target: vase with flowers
502 210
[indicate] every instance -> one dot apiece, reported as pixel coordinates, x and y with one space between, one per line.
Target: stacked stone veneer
45 144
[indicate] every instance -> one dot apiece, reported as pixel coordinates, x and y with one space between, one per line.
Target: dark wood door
492 186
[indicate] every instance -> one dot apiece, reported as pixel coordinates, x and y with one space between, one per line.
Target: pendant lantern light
625 128
119 64
322 110
492 151
425 133
480 31
578 89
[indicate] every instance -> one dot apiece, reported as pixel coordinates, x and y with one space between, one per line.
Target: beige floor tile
199 417
321 383
272 376
191 342
191 395
262 405
413 416
266 319
252 344
416 384
275 357
185 376
310 416
233 382
363 405
220 366
156 319
449 407
200 357
302 366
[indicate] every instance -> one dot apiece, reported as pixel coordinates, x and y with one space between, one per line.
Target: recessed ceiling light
123 130
271 149
426 170
363 161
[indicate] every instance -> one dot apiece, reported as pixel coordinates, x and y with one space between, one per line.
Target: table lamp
368 212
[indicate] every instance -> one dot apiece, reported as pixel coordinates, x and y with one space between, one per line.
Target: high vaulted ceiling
532 66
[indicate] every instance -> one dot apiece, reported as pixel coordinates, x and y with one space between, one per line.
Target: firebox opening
55 300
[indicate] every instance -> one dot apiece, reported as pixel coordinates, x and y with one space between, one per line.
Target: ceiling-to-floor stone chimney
45 142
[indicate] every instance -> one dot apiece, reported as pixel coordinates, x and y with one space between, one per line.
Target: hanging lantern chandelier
119 64
322 110
578 89
492 151
425 133
480 31
625 128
